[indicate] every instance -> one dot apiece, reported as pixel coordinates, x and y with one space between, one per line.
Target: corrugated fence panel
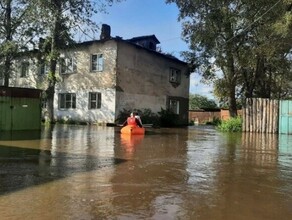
261 116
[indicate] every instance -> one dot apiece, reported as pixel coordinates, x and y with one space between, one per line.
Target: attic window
174 76
151 46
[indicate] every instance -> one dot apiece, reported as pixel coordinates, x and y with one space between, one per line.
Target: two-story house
100 78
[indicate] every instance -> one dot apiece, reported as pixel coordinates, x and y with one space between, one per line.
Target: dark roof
146 37
129 41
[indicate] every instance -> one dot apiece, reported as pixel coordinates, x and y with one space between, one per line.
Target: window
94 100
1 71
44 69
24 69
174 76
96 62
174 106
67 65
67 100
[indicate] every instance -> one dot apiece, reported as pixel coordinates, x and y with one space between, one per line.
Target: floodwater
91 172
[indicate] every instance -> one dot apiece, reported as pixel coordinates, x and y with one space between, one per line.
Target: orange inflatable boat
132 130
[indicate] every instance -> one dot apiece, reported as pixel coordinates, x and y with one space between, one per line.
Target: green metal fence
20 109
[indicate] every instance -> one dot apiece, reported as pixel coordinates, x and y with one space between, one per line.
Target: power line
256 20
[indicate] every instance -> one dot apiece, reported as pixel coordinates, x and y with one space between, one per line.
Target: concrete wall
143 80
80 82
84 81
132 78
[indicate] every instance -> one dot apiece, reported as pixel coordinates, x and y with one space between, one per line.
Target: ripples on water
89 172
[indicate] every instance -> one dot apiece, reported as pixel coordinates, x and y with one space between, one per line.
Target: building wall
132 78
84 81
143 81
81 82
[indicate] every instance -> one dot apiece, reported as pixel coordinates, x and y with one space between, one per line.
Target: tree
17 28
240 39
62 18
200 102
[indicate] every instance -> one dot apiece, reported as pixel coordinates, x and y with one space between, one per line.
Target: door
285 117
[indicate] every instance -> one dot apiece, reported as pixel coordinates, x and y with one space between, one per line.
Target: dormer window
152 46
174 76
148 42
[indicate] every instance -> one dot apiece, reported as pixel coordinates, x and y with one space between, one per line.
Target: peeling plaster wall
132 78
84 81
143 80
80 82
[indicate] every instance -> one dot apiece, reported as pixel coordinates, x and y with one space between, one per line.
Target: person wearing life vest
132 120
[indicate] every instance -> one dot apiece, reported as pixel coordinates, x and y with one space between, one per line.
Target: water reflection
89 172
60 153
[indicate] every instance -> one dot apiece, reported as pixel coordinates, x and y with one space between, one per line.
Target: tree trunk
232 102
54 54
8 40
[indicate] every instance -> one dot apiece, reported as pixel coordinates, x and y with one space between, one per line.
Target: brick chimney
105 32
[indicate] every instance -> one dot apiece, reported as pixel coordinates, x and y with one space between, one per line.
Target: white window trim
69 64
72 100
24 67
97 101
99 63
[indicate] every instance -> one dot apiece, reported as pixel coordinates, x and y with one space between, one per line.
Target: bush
164 118
216 122
168 118
231 125
147 116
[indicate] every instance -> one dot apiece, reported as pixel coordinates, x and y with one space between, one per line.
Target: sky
133 18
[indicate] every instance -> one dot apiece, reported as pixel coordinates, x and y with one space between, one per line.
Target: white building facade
98 79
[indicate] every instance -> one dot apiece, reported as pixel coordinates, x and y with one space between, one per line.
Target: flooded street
91 172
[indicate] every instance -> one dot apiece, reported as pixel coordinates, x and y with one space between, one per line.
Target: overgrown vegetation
231 125
164 118
243 48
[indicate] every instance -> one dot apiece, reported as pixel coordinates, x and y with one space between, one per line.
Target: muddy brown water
91 172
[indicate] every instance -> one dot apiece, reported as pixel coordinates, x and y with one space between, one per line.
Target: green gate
20 109
285 117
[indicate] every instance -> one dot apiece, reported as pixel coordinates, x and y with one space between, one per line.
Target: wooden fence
261 116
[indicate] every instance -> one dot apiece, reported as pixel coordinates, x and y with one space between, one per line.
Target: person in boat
138 117
132 120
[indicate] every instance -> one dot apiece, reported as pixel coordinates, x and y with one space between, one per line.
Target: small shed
20 109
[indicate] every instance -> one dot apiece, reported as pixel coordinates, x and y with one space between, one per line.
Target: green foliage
168 118
248 42
147 116
199 102
164 118
215 122
231 125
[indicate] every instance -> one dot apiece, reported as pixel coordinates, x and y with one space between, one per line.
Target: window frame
94 103
173 105
174 75
44 69
24 69
98 64
67 65
66 101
